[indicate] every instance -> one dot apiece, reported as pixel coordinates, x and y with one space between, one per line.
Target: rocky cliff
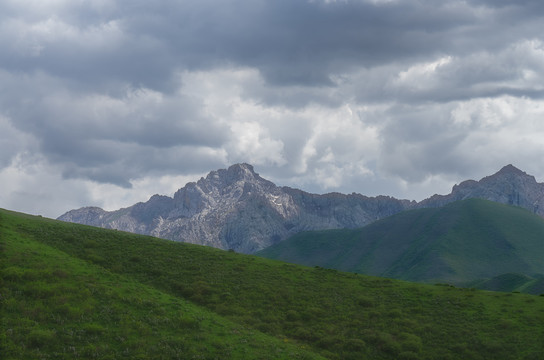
237 209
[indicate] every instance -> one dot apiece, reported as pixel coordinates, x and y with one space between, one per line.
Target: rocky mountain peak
242 171
510 173
509 177
234 174
509 186
235 208
511 169
236 181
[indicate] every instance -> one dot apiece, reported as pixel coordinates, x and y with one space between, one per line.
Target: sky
107 102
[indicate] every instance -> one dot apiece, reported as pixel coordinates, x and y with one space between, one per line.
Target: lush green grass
56 306
459 243
307 311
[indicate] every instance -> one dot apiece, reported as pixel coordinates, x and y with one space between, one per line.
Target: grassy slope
461 242
55 306
338 315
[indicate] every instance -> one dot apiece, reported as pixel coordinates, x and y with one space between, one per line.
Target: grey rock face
237 209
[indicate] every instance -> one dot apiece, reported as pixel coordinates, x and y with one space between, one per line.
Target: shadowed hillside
459 243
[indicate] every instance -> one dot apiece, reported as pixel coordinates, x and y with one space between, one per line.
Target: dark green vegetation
73 291
472 242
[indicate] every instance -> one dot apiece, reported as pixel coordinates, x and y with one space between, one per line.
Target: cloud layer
107 102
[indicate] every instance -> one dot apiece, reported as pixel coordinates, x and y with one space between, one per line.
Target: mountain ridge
509 185
235 208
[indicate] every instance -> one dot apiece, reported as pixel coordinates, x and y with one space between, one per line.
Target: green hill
70 291
58 306
459 243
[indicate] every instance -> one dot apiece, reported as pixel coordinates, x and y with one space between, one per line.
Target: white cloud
252 142
421 75
112 197
31 186
12 142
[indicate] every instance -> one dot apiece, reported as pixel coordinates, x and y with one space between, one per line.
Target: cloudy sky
107 102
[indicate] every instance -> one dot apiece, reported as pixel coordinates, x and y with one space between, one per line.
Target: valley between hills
469 243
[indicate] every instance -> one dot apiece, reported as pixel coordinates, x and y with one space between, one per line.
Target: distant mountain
237 209
508 186
470 241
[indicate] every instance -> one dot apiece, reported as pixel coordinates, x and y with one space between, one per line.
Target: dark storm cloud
296 42
132 161
112 91
304 43
290 42
111 139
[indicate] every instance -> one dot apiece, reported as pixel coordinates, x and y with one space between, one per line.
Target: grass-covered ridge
57 306
105 293
470 241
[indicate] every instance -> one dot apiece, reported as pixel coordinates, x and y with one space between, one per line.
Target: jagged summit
510 169
242 169
236 172
511 172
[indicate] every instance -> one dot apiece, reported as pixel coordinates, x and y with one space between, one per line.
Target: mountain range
237 209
